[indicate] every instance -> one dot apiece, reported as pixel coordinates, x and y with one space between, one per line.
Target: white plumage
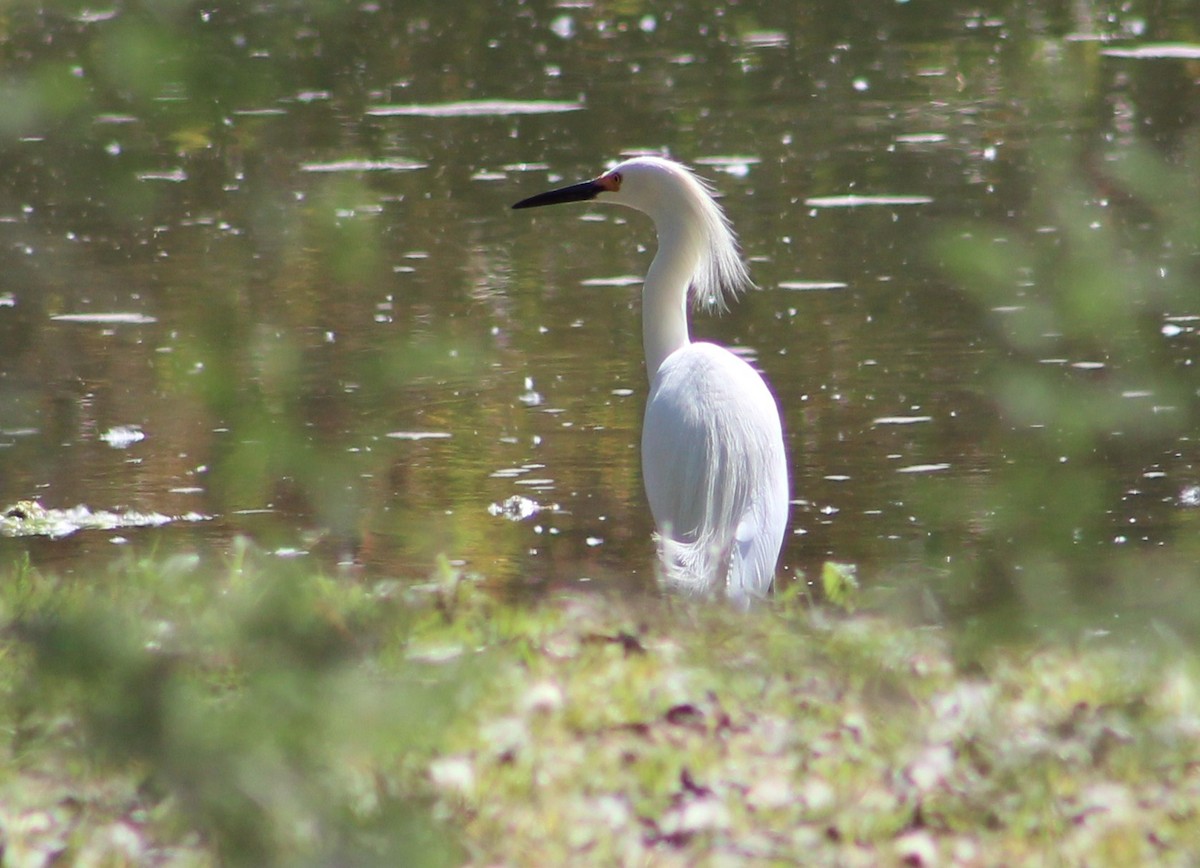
712 445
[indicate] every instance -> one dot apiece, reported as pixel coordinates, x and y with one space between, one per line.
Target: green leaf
840 583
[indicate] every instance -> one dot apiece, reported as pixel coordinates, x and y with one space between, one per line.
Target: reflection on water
279 258
475 108
854 201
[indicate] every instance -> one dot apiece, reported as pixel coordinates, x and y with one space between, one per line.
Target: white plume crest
721 274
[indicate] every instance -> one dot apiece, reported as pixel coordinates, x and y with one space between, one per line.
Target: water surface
260 268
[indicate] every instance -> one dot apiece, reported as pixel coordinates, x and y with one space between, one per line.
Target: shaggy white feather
720 275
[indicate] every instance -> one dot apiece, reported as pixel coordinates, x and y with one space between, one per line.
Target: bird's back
715 471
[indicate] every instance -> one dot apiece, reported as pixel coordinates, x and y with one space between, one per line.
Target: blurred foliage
693 735
162 713
839 582
249 706
104 99
1090 291
160 155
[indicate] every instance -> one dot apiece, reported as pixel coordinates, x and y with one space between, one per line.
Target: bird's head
652 185
681 205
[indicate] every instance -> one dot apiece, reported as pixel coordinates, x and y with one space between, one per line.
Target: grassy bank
169 713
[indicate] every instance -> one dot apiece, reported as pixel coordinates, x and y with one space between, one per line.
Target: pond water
261 276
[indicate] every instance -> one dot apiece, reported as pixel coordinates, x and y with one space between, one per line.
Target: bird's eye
609 182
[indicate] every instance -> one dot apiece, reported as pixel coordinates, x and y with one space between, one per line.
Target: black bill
580 192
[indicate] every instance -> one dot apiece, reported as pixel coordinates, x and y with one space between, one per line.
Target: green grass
167 712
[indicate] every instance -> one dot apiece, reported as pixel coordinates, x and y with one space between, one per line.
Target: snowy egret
712 444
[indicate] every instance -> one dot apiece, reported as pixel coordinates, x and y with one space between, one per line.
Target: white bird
712 444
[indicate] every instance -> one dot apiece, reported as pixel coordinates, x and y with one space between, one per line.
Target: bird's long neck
664 298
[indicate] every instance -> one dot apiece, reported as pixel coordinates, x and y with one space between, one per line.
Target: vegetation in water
30 518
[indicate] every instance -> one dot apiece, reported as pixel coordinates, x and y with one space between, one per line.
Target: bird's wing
715 473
